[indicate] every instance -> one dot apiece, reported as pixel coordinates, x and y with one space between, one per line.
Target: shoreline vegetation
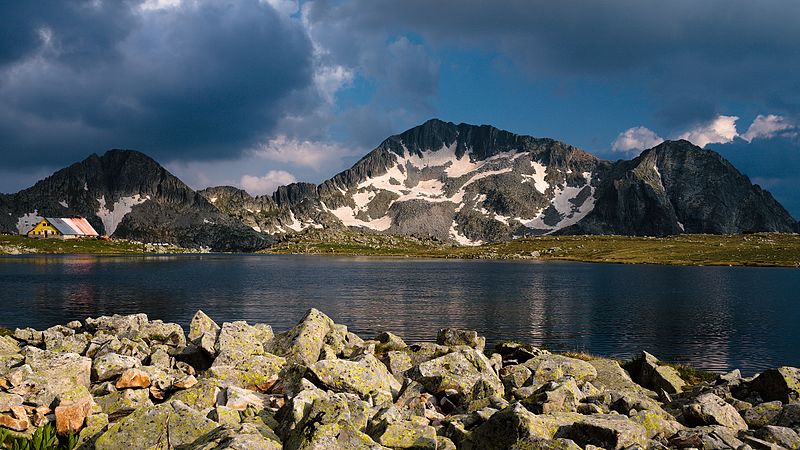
100 382
758 249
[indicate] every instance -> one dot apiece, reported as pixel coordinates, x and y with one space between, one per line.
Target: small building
62 228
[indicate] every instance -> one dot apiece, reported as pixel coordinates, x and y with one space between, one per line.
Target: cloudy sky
257 93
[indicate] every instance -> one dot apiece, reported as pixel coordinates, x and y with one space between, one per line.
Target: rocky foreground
129 382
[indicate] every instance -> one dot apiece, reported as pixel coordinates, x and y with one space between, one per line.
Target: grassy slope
11 244
766 249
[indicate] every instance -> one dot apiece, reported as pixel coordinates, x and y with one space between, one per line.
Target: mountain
126 194
473 184
461 183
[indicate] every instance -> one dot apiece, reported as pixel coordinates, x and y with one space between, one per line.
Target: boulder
783 436
507 427
62 339
112 365
414 433
241 437
452 337
517 352
656 425
387 342
612 377
95 425
202 324
303 342
9 400
364 376
459 371
708 409
555 396
121 403
238 340
49 375
256 372
169 425
648 371
515 376
781 384
71 415
606 431
549 367
546 444
16 420
763 414
133 378
205 395
708 437
790 416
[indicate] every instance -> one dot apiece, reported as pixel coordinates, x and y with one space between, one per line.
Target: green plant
44 438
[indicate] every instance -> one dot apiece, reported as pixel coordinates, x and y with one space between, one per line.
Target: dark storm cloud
201 81
710 51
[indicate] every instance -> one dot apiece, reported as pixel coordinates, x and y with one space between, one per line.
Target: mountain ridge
463 183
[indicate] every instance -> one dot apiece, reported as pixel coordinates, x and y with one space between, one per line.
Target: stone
111 365
414 434
202 324
398 362
763 414
515 376
205 395
709 409
121 403
708 437
783 436
169 425
650 373
253 372
781 384
71 415
343 343
612 377
790 416
185 383
443 443
239 399
551 367
364 376
7 401
8 345
507 427
49 375
133 378
29 336
657 426
460 371
225 416
518 352
95 425
606 431
17 420
547 444
452 337
241 437
388 342
303 343
560 396
63 339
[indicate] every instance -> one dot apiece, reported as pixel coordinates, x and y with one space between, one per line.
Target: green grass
763 249
14 244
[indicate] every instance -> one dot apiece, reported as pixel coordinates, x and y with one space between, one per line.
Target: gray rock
111 365
763 414
461 371
650 373
52 375
389 342
203 333
169 425
303 343
413 434
606 431
781 384
551 367
790 416
708 409
505 428
454 336
783 436
364 376
555 396
515 376
708 437
121 403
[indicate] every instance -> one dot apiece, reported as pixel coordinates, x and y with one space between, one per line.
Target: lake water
710 317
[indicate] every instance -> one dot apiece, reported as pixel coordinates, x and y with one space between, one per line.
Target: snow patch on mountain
28 221
112 217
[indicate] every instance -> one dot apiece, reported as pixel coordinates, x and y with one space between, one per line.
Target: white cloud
286 7
721 130
636 139
305 153
268 183
767 127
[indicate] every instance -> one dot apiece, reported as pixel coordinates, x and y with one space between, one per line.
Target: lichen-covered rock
387 342
514 376
657 426
550 367
95 425
648 371
507 427
364 376
203 396
452 337
414 433
707 437
763 414
256 372
790 416
612 377
460 371
781 384
546 444
783 436
555 396
606 431
241 437
121 403
169 425
51 375
238 340
517 352
111 365
709 409
303 342
202 324
62 339
9 400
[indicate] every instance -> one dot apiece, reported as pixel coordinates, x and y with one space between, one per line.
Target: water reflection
715 318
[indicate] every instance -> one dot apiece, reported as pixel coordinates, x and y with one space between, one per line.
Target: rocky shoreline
132 382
